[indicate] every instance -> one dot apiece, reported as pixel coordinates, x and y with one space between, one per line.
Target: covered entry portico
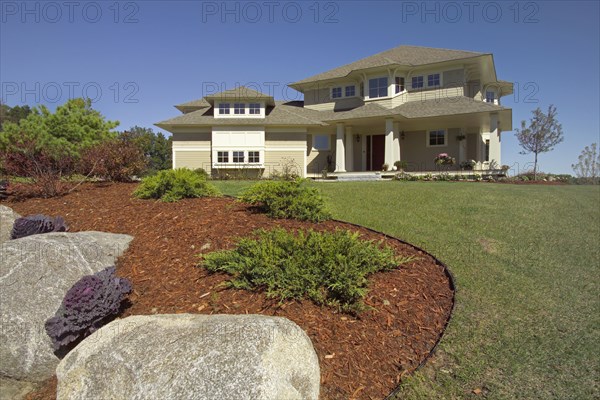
367 144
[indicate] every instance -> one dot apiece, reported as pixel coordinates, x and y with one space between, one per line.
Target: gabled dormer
241 102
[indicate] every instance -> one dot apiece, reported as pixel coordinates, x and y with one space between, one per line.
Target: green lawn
526 261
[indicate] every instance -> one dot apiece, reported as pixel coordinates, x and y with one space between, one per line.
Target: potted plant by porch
400 165
467 165
444 161
385 167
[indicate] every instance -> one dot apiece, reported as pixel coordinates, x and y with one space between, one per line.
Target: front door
375 152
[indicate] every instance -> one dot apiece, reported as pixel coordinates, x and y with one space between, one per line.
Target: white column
340 161
494 141
349 149
389 142
397 153
462 146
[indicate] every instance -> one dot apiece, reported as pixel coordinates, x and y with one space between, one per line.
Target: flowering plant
469 164
444 159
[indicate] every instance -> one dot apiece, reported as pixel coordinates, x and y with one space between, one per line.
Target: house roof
241 93
193 105
415 109
283 113
401 55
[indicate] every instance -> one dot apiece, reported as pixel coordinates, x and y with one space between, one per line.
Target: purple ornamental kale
91 303
35 224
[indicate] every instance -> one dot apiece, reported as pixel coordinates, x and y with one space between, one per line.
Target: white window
417 82
350 91
254 108
433 80
254 156
336 92
223 156
378 87
239 108
436 138
224 108
320 142
490 96
238 156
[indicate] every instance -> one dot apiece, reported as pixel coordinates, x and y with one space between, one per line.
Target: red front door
375 152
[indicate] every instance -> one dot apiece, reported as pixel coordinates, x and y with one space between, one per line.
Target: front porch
376 144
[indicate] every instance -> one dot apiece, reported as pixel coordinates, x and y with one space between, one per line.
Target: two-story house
408 103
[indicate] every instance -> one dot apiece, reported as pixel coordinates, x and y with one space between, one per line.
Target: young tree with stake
543 133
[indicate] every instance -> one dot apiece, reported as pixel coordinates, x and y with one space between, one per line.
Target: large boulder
7 220
35 273
187 356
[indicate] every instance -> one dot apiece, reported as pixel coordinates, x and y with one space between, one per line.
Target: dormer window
433 80
378 87
490 96
417 82
336 92
239 108
254 108
399 84
224 108
350 91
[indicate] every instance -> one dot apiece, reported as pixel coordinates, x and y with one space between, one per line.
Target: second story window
433 80
350 91
254 108
336 92
399 84
224 108
490 97
378 87
239 108
417 82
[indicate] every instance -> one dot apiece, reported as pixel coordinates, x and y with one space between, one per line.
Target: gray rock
7 220
187 356
15 390
35 273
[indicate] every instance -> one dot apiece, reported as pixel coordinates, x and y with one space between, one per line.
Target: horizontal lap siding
193 159
285 140
276 160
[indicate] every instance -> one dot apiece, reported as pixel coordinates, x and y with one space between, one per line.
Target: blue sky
137 59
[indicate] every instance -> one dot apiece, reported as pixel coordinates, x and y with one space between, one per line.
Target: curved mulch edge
448 274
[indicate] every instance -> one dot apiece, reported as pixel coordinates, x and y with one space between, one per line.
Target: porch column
396 143
389 142
494 140
349 149
340 152
462 146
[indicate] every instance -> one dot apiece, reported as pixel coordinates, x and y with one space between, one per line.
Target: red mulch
360 358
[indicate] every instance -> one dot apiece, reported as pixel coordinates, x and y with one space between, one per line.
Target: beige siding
454 78
316 161
192 159
419 157
195 139
278 160
285 140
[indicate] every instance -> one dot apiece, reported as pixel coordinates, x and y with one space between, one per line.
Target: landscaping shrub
327 267
45 169
202 172
287 199
117 160
175 184
90 304
36 224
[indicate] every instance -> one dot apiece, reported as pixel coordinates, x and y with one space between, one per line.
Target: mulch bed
360 358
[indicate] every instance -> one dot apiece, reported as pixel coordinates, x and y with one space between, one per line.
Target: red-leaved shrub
117 160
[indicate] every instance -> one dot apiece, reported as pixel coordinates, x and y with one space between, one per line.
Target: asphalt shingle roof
401 55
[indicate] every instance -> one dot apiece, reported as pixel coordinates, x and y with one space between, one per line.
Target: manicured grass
525 259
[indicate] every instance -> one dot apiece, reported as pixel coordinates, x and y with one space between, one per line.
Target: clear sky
136 59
